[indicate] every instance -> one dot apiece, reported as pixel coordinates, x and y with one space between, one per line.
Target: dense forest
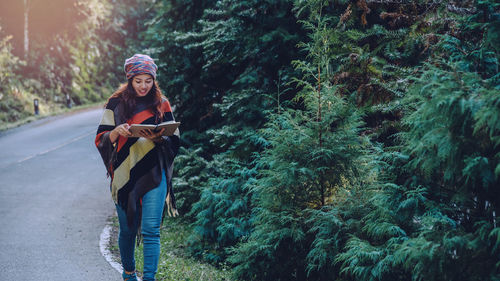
321 140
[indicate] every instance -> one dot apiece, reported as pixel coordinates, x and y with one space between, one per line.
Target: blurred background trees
75 49
322 140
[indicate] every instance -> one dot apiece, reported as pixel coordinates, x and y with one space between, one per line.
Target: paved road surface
54 201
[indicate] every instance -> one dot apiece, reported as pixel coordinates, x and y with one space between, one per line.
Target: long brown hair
128 96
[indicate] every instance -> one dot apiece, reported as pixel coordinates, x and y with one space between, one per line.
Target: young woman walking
140 167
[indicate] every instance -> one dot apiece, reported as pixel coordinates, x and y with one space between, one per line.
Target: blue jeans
152 210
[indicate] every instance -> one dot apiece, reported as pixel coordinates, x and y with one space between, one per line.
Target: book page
170 128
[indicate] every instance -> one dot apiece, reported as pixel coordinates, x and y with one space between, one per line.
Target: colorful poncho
136 164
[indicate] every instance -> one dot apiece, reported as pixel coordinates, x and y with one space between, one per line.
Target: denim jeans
152 209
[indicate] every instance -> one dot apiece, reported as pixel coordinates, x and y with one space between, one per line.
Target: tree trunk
26 37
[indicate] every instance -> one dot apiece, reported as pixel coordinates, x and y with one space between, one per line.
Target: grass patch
54 110
175 264
113 241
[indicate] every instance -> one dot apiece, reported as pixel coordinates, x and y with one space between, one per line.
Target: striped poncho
136 164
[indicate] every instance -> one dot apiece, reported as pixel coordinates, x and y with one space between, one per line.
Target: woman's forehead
143 76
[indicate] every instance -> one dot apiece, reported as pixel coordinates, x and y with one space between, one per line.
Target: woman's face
142 83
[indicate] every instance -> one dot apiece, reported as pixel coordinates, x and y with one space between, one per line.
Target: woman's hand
120 130
154 136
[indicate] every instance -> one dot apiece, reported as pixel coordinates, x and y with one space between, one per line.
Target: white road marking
105 252
55 148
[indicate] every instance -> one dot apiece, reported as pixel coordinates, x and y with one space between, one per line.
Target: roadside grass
175 264
113 241
48 112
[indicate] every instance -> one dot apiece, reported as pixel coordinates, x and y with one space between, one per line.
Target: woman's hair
128 96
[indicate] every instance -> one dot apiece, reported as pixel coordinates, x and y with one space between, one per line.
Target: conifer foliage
233 53
315 158
409 194
247 46
337 139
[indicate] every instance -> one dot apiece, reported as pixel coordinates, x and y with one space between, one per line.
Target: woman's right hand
120 130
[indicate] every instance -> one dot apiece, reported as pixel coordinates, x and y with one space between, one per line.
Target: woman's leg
126 241
152 210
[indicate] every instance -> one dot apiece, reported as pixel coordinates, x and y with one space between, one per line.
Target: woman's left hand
154 136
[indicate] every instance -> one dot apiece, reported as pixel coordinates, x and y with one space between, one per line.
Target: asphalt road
54 201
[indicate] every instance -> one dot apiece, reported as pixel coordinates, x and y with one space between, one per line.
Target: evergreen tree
429 211
233 52
180 62
247 50
313 160
434 213
382 163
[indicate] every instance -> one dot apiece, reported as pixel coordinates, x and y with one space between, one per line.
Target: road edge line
103 246
105 252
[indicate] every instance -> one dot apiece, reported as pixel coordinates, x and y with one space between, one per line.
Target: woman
140 168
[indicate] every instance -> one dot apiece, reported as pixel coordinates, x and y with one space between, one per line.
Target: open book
169 126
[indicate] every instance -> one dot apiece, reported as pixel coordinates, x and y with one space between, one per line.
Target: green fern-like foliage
222 214
180 62
297 175
372 156
313 158
192 172
455 161
429 210
237 51
437 219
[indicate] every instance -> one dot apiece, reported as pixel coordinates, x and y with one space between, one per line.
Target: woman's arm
107 133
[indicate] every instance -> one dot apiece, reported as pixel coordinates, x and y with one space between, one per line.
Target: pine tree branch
461 11
389 1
